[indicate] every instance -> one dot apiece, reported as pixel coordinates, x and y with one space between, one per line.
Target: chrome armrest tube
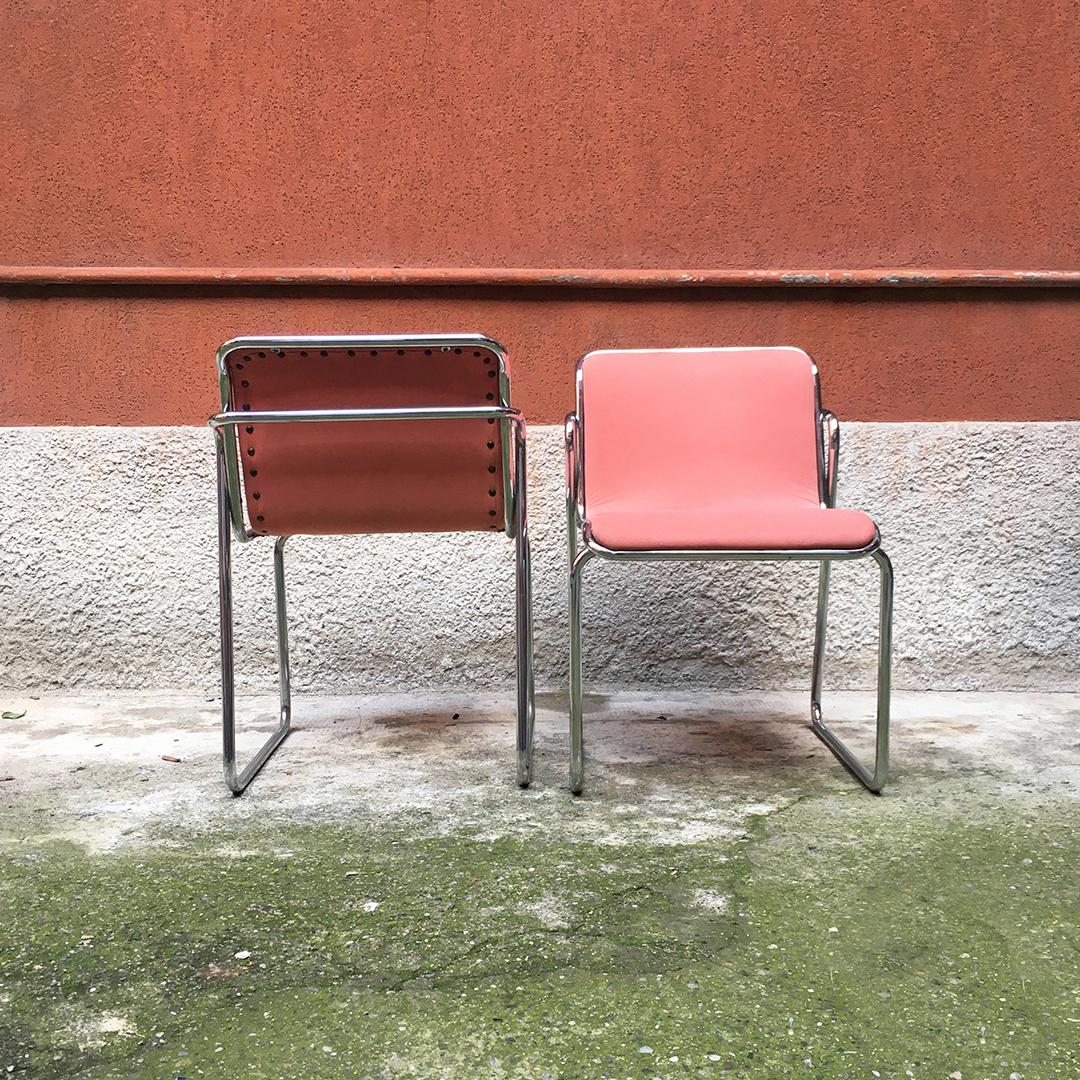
574 485
336 416
830 431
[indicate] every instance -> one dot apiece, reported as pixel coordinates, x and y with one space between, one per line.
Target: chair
340 435
721 454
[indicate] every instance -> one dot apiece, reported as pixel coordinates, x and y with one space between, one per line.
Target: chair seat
629 525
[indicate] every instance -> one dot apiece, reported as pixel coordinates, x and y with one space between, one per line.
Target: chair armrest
830 438
334 416
572 431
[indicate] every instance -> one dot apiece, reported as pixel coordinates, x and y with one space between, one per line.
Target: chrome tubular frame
876 779
232 525
581 547
526 689
238 780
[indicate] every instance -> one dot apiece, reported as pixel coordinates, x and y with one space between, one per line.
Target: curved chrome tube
238 779
874 780
526 695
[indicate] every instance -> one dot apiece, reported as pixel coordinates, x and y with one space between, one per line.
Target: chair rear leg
236 779
875 780
281 617
526 691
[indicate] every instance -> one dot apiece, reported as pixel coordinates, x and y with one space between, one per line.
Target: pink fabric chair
337 435
714 454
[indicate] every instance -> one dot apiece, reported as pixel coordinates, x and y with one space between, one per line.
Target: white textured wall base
108 578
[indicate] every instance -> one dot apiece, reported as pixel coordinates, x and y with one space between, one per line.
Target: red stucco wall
596 134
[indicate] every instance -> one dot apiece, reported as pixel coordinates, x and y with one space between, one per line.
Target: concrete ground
724 900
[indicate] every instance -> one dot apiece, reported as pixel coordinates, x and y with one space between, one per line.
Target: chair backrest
369 476
683 427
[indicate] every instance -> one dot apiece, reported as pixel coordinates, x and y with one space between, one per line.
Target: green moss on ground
845 937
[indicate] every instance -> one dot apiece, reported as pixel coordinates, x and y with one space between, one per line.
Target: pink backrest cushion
700 427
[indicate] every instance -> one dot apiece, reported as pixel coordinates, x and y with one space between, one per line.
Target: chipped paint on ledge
510 277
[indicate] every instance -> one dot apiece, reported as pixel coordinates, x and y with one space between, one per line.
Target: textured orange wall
594 134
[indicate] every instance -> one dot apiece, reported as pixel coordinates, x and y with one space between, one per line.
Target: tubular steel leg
875 780
237 781
526 696
577 738
819 635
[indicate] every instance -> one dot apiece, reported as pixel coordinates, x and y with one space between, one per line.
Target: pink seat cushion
707 449
636 527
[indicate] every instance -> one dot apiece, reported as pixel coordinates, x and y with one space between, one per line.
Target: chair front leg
236 779
575 562
577 737
875 780
526 694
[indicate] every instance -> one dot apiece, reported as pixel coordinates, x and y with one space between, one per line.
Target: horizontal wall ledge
601 278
